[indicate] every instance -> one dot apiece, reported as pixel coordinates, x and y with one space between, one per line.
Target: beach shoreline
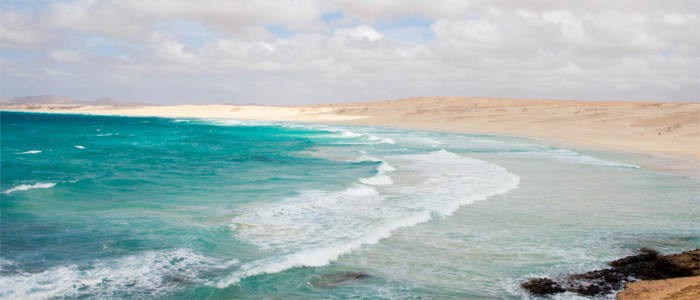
677 153
665 136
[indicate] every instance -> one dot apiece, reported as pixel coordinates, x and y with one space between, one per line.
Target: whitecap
385 167
226 122
379 140
366 157
24 187
231 122
318 257
318 227
30 152
152 273
79 147
346 134
380 178
4 263
575 157
421 140
571 156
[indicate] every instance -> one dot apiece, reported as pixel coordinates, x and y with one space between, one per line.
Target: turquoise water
126 207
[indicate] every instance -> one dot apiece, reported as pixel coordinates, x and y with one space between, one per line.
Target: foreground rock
647 265
683 288
543 286
335 279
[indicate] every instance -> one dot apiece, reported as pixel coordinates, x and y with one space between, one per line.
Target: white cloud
64 55
607 50
359 33
16 31
469 32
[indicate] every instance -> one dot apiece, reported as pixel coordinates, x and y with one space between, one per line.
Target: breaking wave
317 227
24 187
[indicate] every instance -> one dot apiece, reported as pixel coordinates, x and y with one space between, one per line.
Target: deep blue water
131 207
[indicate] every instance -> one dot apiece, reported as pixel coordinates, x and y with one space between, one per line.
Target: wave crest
380 178
151 273
24 187
317 227
574 157
30 152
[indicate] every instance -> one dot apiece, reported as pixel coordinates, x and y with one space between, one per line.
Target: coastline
664 136
671 276
363 114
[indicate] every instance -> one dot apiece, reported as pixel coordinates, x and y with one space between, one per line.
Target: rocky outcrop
543 286
684 264
647 265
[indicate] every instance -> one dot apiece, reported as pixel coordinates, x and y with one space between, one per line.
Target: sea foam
150 273
574 157
30 152
24 187
318 227
380 178
379 140
347 134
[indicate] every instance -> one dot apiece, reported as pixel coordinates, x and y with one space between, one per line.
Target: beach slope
666 130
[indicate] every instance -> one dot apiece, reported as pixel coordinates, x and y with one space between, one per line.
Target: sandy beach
682 288
668 134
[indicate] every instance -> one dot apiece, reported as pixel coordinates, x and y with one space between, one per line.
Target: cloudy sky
300 52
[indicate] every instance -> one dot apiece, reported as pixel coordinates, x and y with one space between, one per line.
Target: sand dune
669 131
670 128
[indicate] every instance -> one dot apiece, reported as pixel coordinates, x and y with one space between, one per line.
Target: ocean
144 208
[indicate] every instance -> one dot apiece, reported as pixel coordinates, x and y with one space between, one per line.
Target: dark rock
647 265
682 264
595 282
542 286
331 280
645 254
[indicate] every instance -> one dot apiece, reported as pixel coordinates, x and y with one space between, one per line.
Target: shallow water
125 207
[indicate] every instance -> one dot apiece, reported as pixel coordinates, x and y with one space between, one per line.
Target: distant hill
55 99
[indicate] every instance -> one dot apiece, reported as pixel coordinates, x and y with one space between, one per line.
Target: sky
277 52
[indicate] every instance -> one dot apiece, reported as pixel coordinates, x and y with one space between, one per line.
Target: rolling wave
150 273
24 187
318 227
30 152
